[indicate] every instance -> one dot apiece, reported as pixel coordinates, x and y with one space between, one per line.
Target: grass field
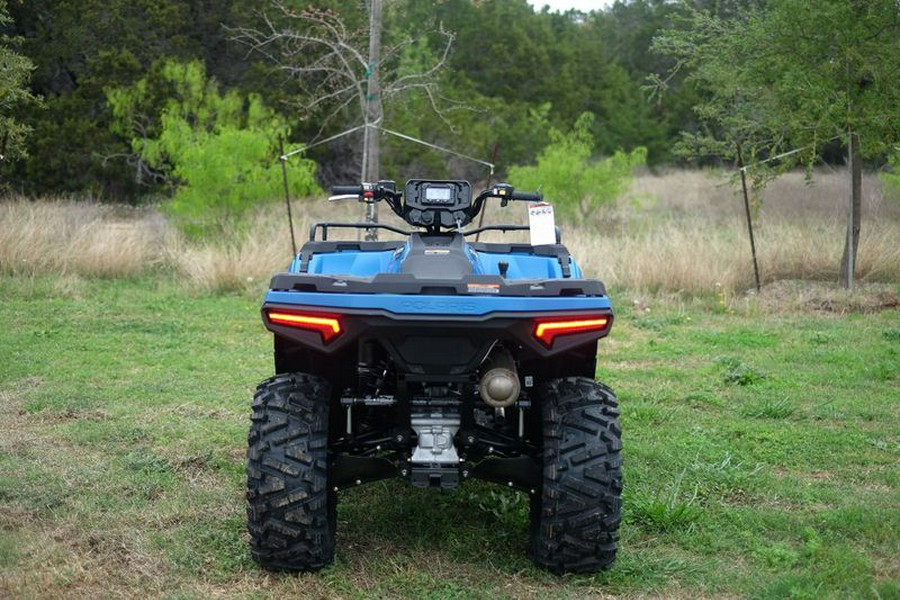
761 455
683 232
761 430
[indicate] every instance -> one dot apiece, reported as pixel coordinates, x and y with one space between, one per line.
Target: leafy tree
628 29
511 60
567 175
218 151
522 71
15 71
82 47
795 74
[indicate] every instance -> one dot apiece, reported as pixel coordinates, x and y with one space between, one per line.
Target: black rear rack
325 226
406 283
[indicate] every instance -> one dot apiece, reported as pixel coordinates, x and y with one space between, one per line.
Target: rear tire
575 517
291 509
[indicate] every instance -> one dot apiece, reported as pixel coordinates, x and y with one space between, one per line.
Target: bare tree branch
328 62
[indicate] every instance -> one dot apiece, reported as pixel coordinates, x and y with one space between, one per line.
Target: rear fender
436 344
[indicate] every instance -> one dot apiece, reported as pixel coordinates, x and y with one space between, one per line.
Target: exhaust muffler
499 385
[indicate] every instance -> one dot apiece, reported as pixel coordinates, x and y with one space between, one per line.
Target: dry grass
244 257
682 232
696 259
79 238
686 231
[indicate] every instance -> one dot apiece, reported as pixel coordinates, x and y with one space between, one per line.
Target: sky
564 5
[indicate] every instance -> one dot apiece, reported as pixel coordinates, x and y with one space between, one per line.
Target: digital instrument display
438 195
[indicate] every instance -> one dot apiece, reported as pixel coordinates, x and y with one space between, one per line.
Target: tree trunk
851 245
373 109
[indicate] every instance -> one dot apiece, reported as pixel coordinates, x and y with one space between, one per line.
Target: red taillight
548 331
329 327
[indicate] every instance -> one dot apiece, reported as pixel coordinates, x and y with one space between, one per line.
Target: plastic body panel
436 305
524 266
436 302
360 264
366 259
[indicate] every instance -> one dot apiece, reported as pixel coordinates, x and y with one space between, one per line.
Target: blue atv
434 359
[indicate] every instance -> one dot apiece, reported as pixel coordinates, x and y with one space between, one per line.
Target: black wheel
575 517
291 510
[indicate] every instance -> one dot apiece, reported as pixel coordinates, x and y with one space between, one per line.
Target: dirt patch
817 296
49 417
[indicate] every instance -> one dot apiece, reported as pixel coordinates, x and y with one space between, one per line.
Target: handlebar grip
341 190
528 196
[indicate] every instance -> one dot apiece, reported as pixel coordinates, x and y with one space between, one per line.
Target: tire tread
290 508
576 518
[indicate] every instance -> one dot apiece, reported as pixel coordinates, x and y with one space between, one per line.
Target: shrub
219 152
570 178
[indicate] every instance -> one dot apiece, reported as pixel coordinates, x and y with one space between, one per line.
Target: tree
627 29
80 48
15 73
538 58
570 178
218 152
795 74
334 63
326 58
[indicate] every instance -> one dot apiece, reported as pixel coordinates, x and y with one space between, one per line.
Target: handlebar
438 211
378 191
528 196
347 190
506 192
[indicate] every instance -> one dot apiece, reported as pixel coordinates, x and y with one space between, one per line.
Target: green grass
761 458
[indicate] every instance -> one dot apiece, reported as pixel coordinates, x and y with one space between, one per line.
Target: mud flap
349 471
522 472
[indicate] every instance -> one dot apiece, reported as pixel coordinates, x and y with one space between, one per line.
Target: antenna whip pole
287 194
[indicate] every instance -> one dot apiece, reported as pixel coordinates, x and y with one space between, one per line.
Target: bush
220 153
567 175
